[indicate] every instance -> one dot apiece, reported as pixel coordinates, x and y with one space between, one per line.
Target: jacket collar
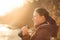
42 24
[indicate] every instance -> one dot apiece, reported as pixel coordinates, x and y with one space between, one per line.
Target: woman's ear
43 17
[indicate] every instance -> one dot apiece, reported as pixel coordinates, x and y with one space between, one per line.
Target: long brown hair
45 13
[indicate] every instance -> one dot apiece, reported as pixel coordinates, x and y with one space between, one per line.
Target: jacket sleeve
25 37
42 34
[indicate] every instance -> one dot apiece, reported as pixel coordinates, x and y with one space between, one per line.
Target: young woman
45 26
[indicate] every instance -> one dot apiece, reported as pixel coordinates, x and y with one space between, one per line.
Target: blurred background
17 13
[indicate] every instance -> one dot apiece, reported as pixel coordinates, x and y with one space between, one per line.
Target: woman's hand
24 30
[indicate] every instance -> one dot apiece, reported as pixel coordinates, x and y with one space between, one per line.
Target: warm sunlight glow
9 5
3 28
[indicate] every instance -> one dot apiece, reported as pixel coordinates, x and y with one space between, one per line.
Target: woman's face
37 19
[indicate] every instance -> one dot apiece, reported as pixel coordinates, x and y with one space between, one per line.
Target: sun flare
9 5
